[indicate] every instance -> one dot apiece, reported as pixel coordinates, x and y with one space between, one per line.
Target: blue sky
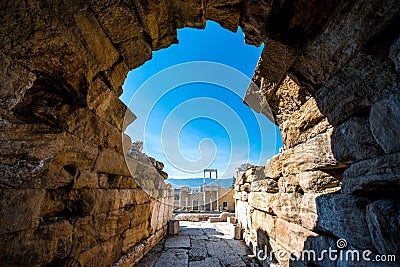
188 100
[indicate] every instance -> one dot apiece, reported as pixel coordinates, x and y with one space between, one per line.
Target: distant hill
196 182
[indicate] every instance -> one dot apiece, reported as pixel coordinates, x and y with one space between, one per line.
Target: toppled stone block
235 231
173 227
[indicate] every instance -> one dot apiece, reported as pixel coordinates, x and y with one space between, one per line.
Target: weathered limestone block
189 13
356 86
344 216
119 166
289 184
103 53
308 213
120 182
90 231
86 235
317 181
273 167
227 16
50 242
132 236
262 201
287 98
141 213
274 61
132 257
256 100
104 254
158 22
157 215
241 180
385 123
254 19
284 205
147 176
291 236
48 164
320 245
262 221
377 174
303 124
244 196
135 51
93 129
315 154
266 185
78 202
116 76
255 173
154 239
355 24
132 197
119 22
173 227
15 81
383 218
112 223
280 256
48 41
235 231
352 141
56 107
20 209
85 201
106 104
84 179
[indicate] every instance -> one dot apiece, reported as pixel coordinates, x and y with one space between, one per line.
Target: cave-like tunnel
328 76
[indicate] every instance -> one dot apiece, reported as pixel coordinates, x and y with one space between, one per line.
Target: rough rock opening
332 81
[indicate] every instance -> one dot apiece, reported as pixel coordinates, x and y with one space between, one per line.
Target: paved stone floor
199 244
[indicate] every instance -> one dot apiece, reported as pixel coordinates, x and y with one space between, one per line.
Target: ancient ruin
328 77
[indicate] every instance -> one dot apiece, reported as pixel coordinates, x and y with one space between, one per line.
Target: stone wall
68 197
329 73
336 101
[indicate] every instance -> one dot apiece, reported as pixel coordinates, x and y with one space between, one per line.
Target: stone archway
329 71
